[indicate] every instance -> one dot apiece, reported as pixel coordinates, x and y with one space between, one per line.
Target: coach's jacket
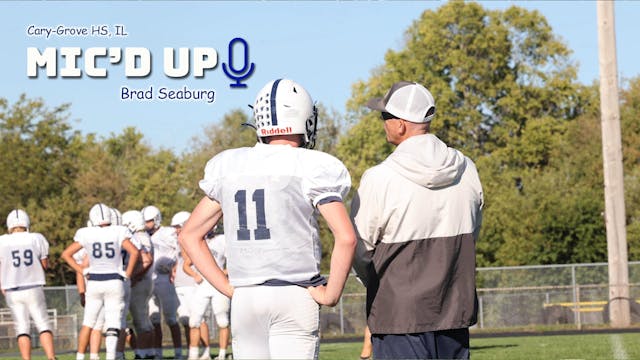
417 215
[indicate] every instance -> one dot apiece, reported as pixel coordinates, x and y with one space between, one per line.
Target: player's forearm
75 266
146 260
343 249
209 269
133 259
80 283
341 259
186 265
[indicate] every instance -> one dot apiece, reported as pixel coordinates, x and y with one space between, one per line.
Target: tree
506 95
630 122
37 170
38 150
227 134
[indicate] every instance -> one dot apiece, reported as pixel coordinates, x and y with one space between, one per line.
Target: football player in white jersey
103 244
24 256
141 285
164 299
141 240
206 295
270 195
185 285
95 339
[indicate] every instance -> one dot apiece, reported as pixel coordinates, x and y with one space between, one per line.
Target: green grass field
591 346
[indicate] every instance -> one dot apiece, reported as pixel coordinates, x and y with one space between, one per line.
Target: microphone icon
238 74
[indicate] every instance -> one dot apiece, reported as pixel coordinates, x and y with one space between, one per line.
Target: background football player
23 259
185 288
141 285
164 299
206 296
103 244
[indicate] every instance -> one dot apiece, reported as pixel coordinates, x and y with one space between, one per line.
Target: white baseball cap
407 101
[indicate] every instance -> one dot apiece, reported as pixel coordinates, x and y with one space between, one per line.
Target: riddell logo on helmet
276 131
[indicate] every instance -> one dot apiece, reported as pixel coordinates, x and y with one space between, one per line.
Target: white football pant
28 302
108 293
274 322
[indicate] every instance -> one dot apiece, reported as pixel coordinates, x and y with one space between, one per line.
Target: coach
417 215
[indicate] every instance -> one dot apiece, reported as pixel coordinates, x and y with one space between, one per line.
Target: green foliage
56 175
506 95
630 122
37 147
227 134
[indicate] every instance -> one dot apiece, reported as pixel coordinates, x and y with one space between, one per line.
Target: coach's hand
319 294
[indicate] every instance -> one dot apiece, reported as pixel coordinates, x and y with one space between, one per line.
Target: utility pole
615 218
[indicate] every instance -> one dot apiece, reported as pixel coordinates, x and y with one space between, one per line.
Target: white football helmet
18 218
116 217
284 107
100 214
152 213
133 220
180 218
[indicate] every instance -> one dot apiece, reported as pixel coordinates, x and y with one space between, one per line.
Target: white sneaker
205 356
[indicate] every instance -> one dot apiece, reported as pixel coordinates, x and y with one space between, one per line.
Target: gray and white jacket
418 215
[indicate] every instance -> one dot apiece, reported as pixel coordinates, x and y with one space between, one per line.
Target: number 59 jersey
103 246
269 195
20 255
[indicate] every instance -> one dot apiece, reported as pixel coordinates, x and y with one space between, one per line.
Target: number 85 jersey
103 245
269 195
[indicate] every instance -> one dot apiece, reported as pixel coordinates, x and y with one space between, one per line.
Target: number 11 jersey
269 195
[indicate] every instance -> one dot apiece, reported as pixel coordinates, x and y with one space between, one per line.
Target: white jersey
165 247
269 195
103 246
20 255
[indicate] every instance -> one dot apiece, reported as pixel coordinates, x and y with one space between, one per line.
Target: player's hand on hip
319 294
229 292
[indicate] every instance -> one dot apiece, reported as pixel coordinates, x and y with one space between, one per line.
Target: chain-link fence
508 297
576 294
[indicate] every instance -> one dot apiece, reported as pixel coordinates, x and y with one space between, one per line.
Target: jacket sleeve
365 216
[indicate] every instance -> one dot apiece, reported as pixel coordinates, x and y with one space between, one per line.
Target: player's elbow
347 240
182 238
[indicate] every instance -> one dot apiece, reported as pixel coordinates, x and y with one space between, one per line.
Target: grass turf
584 346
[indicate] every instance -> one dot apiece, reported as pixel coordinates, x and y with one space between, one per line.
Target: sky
324 45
